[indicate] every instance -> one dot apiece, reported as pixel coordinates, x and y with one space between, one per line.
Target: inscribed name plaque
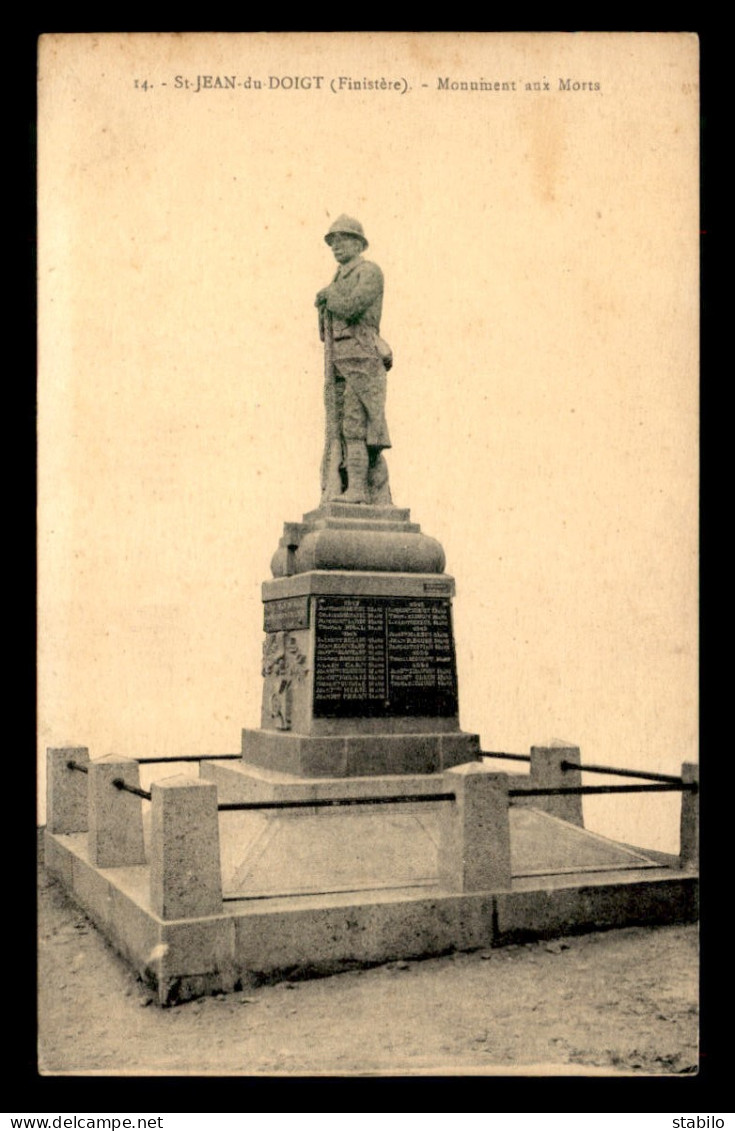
384 656
286 615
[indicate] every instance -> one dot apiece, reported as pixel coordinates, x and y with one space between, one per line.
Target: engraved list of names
384 657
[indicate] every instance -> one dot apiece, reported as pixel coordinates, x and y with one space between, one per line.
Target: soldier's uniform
354 299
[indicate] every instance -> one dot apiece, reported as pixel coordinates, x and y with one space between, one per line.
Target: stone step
358 510
365 524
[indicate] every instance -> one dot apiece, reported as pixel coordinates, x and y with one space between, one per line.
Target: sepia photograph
368 417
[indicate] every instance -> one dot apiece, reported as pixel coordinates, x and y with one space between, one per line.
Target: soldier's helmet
346 226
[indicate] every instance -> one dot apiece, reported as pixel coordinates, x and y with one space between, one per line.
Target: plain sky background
540 250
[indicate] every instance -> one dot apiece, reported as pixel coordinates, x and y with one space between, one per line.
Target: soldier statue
356 358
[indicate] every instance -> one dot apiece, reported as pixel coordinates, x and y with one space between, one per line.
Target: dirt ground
615 1002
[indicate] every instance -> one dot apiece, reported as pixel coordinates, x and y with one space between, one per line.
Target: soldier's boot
357 472
378 485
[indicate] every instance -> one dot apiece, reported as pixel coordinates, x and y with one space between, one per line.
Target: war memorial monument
359 823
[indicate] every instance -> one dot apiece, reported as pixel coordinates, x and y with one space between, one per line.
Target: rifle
331 480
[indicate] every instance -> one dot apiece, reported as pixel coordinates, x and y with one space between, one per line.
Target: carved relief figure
283 663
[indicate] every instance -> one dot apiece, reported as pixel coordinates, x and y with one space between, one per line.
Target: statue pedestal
359 667
356 537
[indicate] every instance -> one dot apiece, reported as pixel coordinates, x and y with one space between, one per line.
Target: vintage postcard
532 202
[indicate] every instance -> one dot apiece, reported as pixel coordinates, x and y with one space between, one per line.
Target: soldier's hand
321 298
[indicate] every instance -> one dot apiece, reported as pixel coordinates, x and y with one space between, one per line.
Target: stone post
115 816
689 836
546 772
186 875
66 790
474 847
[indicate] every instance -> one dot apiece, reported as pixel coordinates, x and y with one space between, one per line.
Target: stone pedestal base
345 756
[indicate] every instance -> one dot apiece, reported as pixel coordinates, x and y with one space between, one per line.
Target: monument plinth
359 664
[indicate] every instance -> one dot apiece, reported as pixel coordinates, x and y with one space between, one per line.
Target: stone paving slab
542 845
328 850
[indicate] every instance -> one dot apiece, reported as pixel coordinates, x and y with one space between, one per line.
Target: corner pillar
115 816
66 790
689 829
186 877
547 772
474 849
